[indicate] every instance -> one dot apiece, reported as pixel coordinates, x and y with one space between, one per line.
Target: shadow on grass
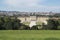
51 39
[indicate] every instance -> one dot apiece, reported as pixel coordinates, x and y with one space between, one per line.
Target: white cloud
29 5
21 3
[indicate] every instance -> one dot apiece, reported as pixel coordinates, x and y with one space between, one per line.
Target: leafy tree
1 23
52 24
58 24
16 24
6 23
8 26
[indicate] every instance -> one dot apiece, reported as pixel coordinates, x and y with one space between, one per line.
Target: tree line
10 23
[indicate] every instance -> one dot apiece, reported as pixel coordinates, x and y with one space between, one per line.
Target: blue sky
30 5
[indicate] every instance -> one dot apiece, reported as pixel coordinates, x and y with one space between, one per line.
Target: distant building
39 19
30 16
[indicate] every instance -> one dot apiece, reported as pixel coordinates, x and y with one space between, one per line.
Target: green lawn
29 35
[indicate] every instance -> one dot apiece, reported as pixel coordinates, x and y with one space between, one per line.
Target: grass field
29 35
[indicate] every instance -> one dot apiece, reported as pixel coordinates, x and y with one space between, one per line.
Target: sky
30 5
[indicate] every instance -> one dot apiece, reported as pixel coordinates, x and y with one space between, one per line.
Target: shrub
34 28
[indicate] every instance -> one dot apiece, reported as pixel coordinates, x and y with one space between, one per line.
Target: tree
16 24
58 24
1 23
8 26
52 24
6 23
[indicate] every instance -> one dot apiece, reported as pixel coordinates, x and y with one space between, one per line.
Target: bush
58 28
24 27
44 27
34 28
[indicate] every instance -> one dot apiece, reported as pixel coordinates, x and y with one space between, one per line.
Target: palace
33 18
27 17
38 17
